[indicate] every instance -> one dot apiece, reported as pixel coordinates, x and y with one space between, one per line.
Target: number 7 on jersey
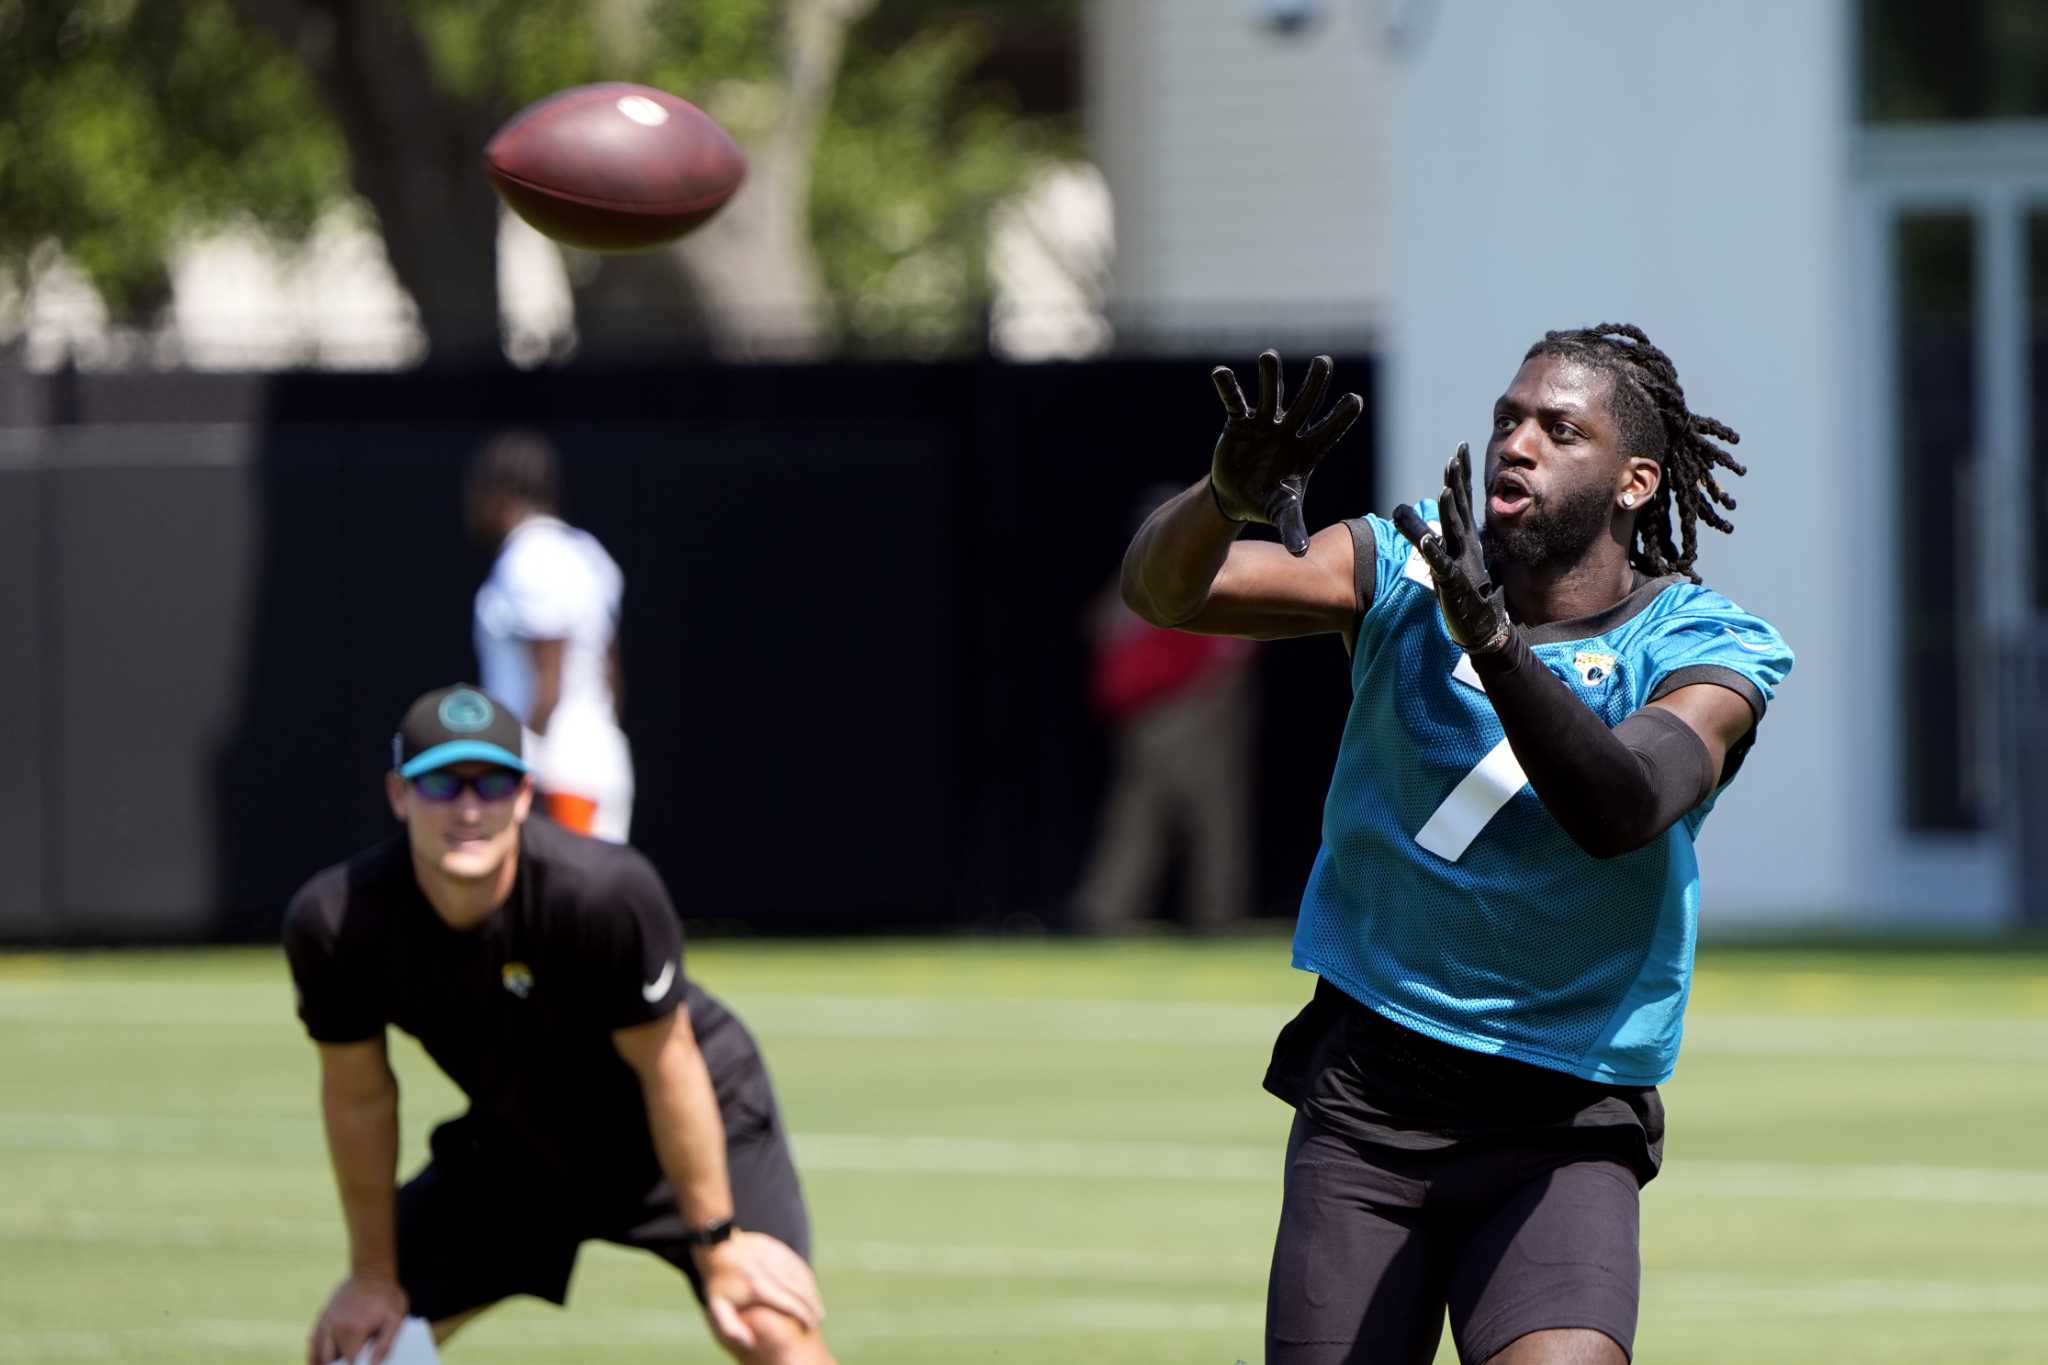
1491 784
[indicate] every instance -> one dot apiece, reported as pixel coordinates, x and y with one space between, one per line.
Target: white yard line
88 1003
569 1335
551 1335
1833 1183
1681 1291
1666 1292
1171 1161
1085 1317
1993 1039
1174 1023
166 1229
883 1154
125 1004
222 1004
59 1345
158 1134
939 1260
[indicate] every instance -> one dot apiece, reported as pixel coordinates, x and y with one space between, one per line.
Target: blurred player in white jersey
547 635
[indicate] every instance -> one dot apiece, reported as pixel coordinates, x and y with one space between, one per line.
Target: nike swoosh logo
658 987
1766 648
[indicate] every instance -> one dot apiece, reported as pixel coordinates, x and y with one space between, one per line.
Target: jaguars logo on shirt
1593 668
466 712
518 978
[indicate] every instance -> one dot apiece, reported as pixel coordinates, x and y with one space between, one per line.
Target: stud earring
1628 500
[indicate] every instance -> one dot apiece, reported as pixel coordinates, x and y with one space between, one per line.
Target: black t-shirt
1367 1078
518 1010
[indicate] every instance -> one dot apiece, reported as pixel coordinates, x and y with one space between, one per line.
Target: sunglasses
499 784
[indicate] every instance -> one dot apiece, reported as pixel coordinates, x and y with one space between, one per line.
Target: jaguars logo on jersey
1593 667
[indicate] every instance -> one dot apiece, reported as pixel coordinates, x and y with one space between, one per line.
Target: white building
1847 288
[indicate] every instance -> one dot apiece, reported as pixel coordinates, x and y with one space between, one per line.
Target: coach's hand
1263 458
366 1310
751 1269
1475 611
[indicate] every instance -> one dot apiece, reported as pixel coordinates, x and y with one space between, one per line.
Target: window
1952 172
2037 371
1935 368
1954 61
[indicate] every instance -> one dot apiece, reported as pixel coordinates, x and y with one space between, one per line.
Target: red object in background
1140 665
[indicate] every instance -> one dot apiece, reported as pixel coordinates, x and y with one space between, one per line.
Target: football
614 166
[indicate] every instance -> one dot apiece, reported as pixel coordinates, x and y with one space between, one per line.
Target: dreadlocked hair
1649 409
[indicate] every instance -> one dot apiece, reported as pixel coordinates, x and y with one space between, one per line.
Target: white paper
415 1346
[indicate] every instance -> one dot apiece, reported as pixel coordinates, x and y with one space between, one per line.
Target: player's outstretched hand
749 1269
1264 456
366 1310
1475 612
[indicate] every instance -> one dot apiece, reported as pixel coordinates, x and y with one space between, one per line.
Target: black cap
456 724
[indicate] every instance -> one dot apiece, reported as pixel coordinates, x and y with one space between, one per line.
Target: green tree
125 126
880 133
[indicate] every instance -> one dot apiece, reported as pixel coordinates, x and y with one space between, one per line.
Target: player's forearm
547 682
688 1133
1173 560
1612 790
362 1142
544 703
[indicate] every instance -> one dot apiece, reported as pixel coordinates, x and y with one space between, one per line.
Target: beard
1551 531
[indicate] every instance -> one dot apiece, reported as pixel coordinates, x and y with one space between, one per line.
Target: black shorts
1424 1179
474 1229
1375 1244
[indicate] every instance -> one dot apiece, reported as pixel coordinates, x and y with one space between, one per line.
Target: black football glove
1263 458
1475 611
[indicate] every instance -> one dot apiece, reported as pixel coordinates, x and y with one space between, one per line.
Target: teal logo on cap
466 712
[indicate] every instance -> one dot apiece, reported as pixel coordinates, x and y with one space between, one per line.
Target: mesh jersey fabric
1516 941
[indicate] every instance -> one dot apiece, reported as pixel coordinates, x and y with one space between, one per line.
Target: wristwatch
709 1235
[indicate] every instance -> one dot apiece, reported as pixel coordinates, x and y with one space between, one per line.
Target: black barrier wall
854 656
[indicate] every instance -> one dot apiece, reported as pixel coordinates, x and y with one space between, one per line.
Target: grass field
1044 1152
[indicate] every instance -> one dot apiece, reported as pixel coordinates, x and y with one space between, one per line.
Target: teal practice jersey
1445 896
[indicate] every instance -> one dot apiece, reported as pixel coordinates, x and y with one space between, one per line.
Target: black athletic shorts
1375 1244
1423 1178
475 1226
